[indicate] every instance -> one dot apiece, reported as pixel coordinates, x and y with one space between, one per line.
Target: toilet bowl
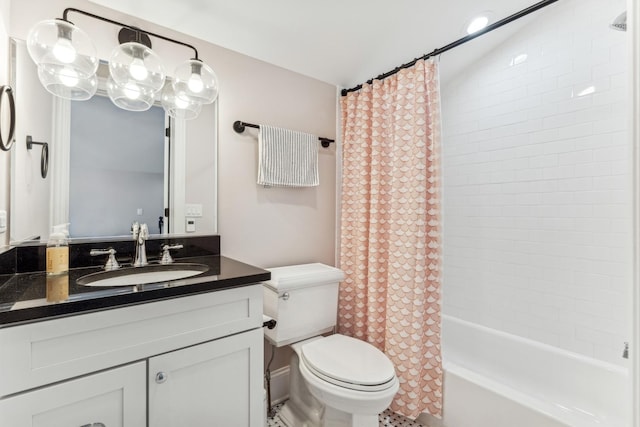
336 380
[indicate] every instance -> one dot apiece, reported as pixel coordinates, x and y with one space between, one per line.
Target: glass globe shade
58 46
137 70
197 81
66 83
136 63
64 51
130 96
179 106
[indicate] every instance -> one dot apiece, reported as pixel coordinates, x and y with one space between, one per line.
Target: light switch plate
193 210
3 221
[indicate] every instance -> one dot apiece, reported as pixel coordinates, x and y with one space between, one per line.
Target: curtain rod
463 40
239 127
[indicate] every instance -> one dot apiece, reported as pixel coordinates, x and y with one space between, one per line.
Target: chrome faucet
140 235
166 254
112 262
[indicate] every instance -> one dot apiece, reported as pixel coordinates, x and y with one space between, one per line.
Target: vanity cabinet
113 398
193 361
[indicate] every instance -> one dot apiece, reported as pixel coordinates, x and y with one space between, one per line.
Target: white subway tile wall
537 183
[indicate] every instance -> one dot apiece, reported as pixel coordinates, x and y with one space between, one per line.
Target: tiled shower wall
536 183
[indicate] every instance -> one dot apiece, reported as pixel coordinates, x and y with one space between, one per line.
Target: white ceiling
343 42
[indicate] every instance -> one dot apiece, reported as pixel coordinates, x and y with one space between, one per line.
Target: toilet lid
348 362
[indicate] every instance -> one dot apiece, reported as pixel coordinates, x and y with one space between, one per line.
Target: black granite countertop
32 296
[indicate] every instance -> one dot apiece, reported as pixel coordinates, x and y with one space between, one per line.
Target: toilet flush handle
285 296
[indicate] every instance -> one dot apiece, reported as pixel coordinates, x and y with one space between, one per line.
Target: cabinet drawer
115 398
41 353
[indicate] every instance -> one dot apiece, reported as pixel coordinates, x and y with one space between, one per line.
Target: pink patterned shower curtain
390 230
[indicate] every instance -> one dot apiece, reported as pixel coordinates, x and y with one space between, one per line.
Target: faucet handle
112 262
166 255
144 231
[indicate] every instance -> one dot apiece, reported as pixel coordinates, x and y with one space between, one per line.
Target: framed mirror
108 167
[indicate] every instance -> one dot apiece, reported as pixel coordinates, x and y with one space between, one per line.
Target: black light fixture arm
135 29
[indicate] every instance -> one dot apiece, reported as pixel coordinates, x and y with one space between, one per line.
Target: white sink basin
142 275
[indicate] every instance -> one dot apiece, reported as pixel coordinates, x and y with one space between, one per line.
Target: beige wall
265 227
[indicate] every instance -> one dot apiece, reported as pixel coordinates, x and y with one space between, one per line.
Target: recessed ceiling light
477 24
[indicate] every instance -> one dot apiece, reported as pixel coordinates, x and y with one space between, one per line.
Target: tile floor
386 419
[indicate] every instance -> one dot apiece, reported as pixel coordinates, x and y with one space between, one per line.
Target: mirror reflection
108 167
115 155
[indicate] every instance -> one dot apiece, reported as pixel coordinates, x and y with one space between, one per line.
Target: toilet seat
348 362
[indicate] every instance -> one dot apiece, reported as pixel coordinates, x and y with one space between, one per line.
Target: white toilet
333 381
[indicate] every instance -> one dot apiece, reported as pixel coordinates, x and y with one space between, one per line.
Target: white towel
287 158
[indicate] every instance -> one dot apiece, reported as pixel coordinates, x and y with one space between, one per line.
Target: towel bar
239 127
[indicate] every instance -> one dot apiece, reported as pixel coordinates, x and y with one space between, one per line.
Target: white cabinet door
113 398
214 384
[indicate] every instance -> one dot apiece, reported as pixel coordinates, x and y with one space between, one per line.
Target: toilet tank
303 299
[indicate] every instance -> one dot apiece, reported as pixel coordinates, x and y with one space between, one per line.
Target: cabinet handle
94 425
161 377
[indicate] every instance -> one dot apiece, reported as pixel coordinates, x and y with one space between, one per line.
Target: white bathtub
495 379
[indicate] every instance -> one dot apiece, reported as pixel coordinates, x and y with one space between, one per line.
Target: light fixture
197 81
476 24
66 59
178 105
67 65
134 62
130 96
66 83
